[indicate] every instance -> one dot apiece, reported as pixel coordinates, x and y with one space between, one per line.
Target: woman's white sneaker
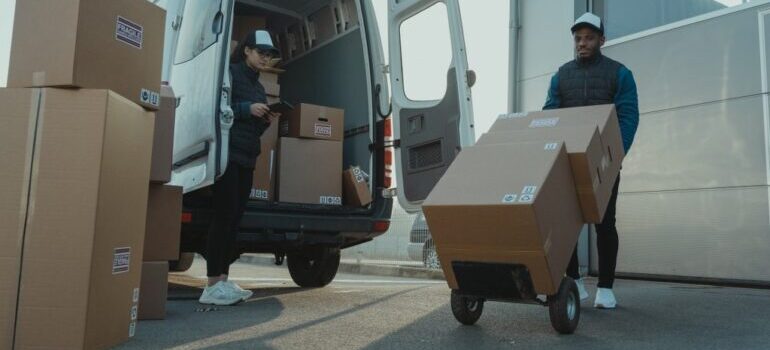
243 293
605 299
220 294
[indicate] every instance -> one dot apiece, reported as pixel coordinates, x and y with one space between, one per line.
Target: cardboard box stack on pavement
154 290
95 44
84 231
507 206
164 212
163 141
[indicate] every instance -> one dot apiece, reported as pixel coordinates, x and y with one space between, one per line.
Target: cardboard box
163 141
273 99
263 186
603 116
164 223
17 128
271 89
95 44
269 75
243 25
309 171
153 290
505 205
314 122
81 263
585 151
356 191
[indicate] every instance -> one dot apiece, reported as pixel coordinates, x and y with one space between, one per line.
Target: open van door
431 93
198 75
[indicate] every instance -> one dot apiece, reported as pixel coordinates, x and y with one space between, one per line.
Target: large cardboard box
500 207
603 116
356 191
18 121
163 141
97 44
314 122
263 185
153 290
164 223
81 261
309 171
586 153
271 89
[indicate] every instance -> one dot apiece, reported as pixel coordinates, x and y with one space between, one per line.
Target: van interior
325 59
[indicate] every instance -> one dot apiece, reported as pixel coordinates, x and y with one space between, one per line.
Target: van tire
183 264
314 270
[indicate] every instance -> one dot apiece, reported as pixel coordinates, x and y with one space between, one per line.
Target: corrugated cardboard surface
154 290
164 224
83 47
507 203
84 234
268 76
585 151
355 188
309 171
271 89
163 141
314 122
18 120
263 186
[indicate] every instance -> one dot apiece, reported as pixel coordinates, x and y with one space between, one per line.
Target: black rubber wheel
564 307
183 264
314 270
430 257
466 310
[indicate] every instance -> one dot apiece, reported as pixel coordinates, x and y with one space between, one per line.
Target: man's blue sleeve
627 106
553 100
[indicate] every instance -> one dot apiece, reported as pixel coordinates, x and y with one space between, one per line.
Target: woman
231 191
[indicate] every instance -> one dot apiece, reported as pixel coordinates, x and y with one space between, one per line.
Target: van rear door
198 76
431 93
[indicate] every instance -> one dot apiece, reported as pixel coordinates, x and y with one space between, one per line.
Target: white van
333 56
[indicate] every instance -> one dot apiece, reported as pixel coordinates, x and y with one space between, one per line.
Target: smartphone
280 107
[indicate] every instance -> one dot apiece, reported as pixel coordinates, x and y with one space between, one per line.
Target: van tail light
186 218
381 226
388 138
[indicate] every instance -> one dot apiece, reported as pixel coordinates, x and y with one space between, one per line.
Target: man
593 79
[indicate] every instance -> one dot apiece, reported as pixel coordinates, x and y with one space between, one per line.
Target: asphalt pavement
374 312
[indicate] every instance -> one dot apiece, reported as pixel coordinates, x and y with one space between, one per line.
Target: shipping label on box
129 32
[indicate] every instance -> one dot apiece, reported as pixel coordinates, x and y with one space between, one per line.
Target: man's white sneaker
219 294
581 289
605 299
243 293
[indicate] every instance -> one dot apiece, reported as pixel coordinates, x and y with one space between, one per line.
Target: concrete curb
363 268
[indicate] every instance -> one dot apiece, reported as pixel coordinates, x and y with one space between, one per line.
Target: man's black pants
231 193
607 245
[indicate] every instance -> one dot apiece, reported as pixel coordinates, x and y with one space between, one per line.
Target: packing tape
38 78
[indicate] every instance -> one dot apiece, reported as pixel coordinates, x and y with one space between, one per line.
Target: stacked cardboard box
513 205
263 186
77 163
310 155
356 187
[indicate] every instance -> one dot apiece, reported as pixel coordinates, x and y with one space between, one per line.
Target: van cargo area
326 62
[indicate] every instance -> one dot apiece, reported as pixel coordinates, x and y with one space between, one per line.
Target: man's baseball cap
589 20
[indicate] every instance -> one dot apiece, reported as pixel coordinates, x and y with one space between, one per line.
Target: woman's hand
259 110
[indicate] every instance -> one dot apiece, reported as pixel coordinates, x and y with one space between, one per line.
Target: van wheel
314 270
183 264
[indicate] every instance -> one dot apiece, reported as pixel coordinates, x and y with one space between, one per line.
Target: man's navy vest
588 83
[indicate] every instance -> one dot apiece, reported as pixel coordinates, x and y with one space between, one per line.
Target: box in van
313 122
310 171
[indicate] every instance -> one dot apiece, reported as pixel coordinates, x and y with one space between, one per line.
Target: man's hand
259 110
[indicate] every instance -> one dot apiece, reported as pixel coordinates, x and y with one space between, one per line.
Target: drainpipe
513 57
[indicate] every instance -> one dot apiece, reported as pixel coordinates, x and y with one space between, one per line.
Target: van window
197 32
426 53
